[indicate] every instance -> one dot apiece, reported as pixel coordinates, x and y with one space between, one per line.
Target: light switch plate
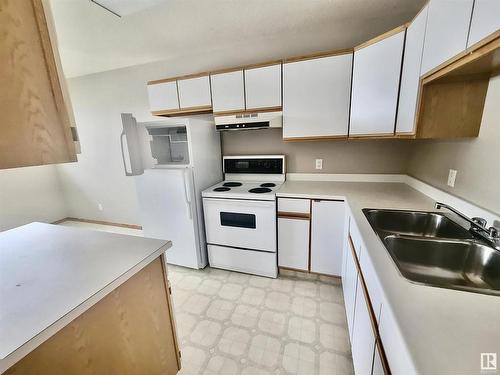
452 175
319 163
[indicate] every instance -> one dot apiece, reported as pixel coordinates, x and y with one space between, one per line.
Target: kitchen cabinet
350 285
293 242
38 125
363 340
194 92
485 20
327 235
293 233
228 93
263 87
316 97
446 32
410 76
375 85
163 96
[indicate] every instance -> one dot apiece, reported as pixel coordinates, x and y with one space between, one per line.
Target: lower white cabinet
293 243
349 286
363 340
327 235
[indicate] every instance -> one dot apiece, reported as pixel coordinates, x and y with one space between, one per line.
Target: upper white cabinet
375 86
485 20
327 236
263 87
194 92
228 91
163 96
316 97
410 77
446 33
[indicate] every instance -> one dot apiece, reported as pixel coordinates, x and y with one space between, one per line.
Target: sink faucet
477 225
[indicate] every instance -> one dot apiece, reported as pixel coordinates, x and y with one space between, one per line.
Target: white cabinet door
293 243
375 86
163 96
263 87
378 368
446 33
410 76
194 92
327 236
363 340
316 97
485 20
349 286
228 91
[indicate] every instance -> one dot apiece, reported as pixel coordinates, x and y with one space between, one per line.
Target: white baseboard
436 194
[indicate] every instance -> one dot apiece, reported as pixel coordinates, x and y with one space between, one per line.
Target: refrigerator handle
186 193
123 155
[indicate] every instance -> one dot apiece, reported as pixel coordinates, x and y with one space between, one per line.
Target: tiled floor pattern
231 323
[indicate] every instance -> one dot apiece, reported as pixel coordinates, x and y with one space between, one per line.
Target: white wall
30 194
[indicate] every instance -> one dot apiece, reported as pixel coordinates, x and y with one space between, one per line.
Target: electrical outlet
319 163
99 206
452 175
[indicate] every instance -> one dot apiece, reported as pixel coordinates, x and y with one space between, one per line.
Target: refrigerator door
132 154
167 212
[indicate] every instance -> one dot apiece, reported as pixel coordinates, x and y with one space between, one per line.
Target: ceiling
245 31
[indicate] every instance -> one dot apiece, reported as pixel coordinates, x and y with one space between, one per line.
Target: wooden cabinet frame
47 134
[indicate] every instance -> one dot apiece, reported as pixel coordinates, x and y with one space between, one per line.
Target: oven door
241 223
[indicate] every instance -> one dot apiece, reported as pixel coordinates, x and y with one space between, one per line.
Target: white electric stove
240 214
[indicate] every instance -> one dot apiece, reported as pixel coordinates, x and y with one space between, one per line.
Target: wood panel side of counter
130 331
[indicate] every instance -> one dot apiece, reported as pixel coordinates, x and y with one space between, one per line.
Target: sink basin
430 248
455 264
416 223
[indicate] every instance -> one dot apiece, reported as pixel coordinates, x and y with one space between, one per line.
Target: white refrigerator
172 161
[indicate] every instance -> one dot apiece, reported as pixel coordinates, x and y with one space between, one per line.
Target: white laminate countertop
51 274
445 331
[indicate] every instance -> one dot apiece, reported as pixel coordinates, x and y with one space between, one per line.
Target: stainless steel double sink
430 248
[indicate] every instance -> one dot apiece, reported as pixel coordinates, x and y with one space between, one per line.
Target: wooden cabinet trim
318 55
383 358
382 37
293 215
316 138
372 136
183 111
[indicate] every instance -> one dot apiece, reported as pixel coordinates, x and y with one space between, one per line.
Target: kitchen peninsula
76 301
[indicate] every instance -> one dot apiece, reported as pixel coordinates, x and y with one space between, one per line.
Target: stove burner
268 184
260 190
232 184
222 189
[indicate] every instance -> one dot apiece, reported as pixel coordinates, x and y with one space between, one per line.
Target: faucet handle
493 232
480 221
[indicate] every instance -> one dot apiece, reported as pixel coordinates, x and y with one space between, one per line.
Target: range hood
246 121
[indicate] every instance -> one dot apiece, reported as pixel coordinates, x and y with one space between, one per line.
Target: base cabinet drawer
293 243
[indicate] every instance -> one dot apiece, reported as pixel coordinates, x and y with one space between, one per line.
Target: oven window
232 219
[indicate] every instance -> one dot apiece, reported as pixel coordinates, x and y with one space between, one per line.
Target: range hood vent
247 121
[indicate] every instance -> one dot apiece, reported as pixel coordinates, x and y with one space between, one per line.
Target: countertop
444 331
50 274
